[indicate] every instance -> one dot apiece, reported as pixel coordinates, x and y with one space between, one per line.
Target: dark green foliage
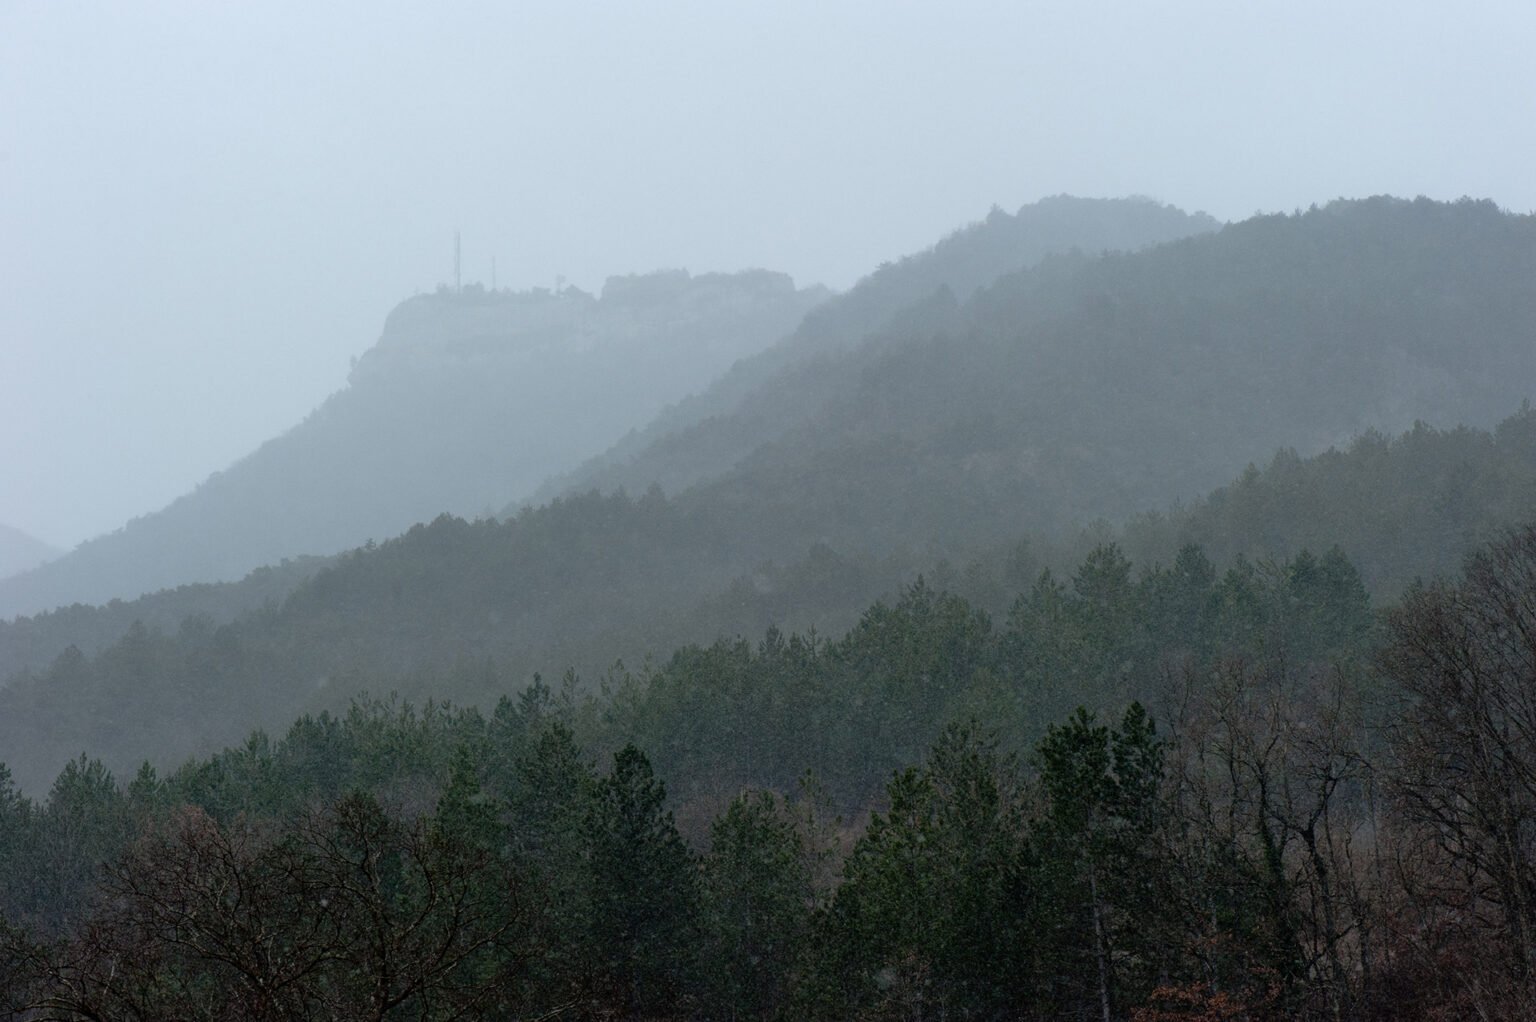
81 827
643 890
18 821
473 866
758 890
907 667
856 709
1103 891
551 793
934 915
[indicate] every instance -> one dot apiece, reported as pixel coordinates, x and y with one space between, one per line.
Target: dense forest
1098 615
466 610
1295 826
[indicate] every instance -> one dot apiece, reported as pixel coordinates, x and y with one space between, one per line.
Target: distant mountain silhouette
891 300
20 552
1103 386
467 402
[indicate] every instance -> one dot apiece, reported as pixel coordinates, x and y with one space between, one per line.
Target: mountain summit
469 399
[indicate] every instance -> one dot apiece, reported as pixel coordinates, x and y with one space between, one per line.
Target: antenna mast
458 284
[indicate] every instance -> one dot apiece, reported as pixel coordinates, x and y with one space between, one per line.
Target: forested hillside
945 452
468 400
33 642
1404 508
466 610
1269 840
1211 778
768 393
1090 387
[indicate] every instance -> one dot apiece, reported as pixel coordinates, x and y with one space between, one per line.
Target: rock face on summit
466 403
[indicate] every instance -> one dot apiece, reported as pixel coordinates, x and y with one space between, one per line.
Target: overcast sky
206 210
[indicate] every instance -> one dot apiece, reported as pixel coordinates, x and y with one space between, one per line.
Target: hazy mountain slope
707 433
1404 507
31 643
467 402
1079 388
20 552
1098 387
468 610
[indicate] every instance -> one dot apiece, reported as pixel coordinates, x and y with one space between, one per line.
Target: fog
206 211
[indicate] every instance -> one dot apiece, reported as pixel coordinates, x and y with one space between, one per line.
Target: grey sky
207 209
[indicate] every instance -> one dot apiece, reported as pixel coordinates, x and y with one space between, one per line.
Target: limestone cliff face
666 316
467 403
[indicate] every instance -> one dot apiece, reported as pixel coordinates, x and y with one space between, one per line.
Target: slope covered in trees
807 532
1404 508
1090 387
466 610
468 400
888 299
1295 829
1214 782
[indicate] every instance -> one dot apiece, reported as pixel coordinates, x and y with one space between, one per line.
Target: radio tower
458 284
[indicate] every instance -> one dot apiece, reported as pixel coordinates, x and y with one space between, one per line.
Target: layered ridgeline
1090 387
745 409
468 401
419 347
470 610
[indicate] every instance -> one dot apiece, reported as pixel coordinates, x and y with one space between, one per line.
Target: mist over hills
468 400
1082 387
762 395
1090 387
20 552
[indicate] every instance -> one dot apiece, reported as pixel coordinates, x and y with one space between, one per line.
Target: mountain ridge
1079 389
465 403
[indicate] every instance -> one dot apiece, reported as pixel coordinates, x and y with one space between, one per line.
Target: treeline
1291 839
1404 508
468 610
32 642
464 610
732 714
446 862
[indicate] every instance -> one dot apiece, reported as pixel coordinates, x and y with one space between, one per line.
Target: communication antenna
493 273
458 285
